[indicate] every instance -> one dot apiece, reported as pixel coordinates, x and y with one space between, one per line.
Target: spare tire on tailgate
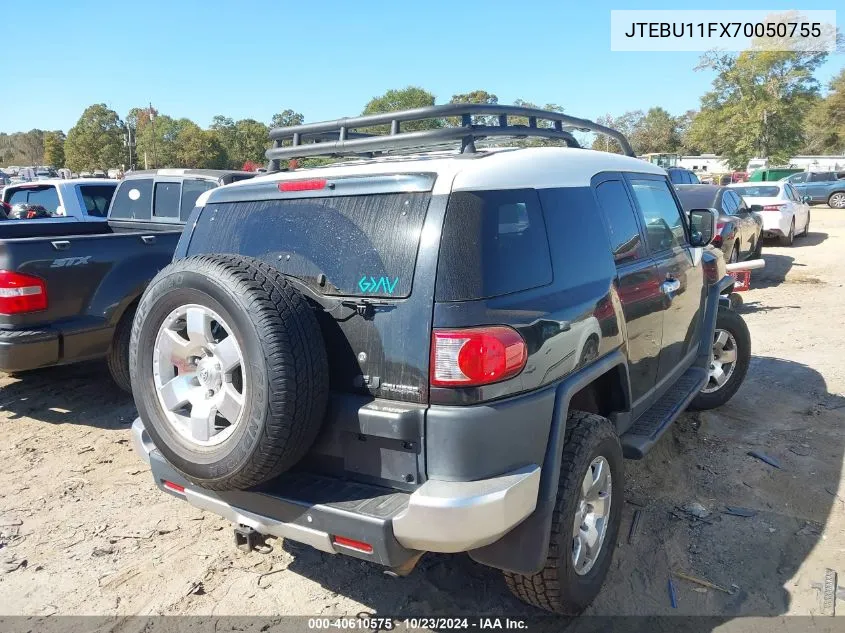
228 370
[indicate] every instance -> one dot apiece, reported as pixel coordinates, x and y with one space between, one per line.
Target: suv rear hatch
352 246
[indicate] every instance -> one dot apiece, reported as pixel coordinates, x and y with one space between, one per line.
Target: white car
784 212
81 200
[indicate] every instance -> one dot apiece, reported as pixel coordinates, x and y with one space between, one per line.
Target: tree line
761 103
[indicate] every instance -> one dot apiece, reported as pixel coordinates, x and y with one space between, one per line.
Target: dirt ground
83 530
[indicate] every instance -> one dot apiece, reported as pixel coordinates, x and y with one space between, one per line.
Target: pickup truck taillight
21 293
476 356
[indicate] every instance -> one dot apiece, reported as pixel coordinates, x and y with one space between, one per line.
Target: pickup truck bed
91 283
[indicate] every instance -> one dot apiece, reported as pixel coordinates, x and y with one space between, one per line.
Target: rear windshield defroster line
364 245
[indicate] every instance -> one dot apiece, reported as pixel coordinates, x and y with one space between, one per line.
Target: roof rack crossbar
340 138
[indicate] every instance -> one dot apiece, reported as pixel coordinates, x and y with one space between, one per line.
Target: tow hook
247 539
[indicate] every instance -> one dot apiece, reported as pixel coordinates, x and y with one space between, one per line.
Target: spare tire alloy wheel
197 370
229 370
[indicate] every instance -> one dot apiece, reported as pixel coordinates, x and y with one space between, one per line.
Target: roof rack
340 138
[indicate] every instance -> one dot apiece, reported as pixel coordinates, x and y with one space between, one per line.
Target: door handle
670 285
148 239
61 245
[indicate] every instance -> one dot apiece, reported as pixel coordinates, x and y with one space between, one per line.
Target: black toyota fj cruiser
445 352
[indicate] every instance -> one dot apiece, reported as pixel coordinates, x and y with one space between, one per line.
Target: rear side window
693 178
191 190
493 243
750 191
625 242
45 196
96 199
166 199
133 200
346 245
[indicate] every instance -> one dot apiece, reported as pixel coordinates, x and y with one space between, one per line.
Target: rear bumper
21 350
775 223
440 516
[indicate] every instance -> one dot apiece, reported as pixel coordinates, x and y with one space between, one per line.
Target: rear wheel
585 522
758 248
786 240
229 370
806 230
730 357
117 358
836 200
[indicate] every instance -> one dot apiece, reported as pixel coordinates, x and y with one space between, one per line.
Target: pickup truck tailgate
80 270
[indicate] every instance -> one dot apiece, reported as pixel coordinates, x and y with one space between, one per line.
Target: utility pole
152 123
127 139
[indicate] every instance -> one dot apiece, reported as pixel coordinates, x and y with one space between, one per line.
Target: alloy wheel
198 374
591 516
722 361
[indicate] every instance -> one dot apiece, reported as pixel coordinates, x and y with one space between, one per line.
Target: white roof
64 182
500 168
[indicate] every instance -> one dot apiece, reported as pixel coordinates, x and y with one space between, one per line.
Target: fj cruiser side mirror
756 207
703 223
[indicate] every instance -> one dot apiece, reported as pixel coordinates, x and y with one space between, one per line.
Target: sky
327 58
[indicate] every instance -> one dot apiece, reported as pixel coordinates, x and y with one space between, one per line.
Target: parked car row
73 280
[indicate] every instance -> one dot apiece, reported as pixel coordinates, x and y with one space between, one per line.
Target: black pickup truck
68 291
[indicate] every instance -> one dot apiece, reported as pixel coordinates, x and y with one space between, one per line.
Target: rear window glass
757 192
46 197
166 199
133 200
493 243
345 245
96 199
191 190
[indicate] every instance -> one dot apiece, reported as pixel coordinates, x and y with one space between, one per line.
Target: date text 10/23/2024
376 623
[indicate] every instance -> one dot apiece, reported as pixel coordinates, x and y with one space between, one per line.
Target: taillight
774 207
303 185
359 546
21 293
476 356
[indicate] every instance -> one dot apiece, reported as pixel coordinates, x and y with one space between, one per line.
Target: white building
705 163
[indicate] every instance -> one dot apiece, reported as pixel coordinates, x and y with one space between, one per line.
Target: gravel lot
84 531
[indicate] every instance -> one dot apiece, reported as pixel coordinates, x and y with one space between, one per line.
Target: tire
836 200
117 358
713 395
787 240
277 375
558 587
806 230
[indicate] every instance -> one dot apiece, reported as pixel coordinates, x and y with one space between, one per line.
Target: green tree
31 146
824 127
224 129
54 149
287 118
657 131
756 105
96 141
404 99
476 96
250 142
626 124
199 149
